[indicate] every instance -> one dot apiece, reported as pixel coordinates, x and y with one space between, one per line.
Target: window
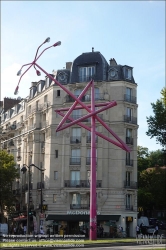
128 201
128 94
76 114
76 134
55 175
128 73
56 153
89 177
128 178
47 82
85 73
58 92
77 92
76 199
75 178
54 198
39 87
129 138
97 94
75 152
129 113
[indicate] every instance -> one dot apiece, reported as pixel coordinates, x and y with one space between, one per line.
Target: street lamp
24 169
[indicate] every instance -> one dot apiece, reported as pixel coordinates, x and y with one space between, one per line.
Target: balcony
79 206
75 161
87 78
81 183
75 139
129 207
88 161
129 162
86 97
40 184
130 119
129 140
130 184
129 98
88 139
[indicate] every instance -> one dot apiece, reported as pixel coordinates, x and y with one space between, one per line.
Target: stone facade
28 131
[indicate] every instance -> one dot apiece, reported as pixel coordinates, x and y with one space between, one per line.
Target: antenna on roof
92 49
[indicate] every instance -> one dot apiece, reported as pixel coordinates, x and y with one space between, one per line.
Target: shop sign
77 212
129 218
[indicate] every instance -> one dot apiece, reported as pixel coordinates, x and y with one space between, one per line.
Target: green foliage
8 173
157 123
142 158
152 189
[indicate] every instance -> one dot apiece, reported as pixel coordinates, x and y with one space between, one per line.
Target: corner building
65 155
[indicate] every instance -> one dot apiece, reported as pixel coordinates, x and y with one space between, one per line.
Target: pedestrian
137 230
101 231
156 230
41 231
25 229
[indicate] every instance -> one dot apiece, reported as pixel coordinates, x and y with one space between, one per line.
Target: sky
132 32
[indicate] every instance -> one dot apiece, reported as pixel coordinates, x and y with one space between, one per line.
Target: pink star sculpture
93 114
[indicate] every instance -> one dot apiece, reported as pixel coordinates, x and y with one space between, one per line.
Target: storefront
73 222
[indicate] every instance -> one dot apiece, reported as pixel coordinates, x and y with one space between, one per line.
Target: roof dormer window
39 87
86 73
128 73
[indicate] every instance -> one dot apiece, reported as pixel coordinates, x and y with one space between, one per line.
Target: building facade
28 131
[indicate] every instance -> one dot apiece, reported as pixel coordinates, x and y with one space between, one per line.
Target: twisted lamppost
93 115
24 169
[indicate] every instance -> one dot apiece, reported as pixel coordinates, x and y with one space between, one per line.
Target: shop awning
19 218
67 217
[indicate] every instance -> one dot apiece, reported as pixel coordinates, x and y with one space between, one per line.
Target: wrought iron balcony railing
86 98
129 207
75 139
40 184
75 161
81 183
129 140
88 139
129 162
88 161
79 206
130 184
130 119
129 98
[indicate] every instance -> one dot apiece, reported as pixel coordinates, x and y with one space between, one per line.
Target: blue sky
132 32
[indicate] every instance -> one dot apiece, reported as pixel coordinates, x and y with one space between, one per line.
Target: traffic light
30 212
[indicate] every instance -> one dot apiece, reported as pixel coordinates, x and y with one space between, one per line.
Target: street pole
28 201
41 209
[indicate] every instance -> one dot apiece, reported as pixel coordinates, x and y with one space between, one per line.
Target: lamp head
47 40
38 72
19 73
57 44
16 90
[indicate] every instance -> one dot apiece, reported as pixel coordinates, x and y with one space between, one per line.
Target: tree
152 189
157 123
142 158
8 173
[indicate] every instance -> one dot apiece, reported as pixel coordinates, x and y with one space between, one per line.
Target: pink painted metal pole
93 213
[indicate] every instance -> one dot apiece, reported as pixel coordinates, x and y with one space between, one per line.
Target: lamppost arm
33 63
